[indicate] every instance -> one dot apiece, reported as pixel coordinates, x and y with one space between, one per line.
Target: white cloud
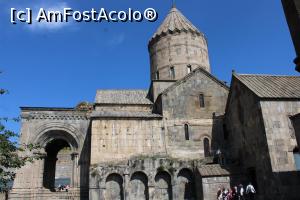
43 25
116 40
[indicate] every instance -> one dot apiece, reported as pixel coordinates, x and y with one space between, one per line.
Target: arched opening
296 154
201 101
172 72
163 186
206 146
114 187
186 185
139 186
189 69
186 132
58 164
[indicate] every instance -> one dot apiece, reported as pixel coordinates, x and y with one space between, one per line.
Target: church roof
197 70
271 86
122 97
175 21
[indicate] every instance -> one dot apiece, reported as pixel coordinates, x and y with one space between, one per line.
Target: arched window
186 132
172 72
206 146
296 153
189 69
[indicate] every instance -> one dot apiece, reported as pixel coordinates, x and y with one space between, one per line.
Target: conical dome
177 48
175 21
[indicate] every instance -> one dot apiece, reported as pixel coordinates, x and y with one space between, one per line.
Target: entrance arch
60 165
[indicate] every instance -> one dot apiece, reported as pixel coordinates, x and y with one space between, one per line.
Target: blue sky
59 66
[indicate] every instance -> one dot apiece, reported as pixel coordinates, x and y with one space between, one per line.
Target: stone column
75 175
126 184
41 169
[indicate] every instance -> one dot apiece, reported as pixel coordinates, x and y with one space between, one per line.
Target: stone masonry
182 139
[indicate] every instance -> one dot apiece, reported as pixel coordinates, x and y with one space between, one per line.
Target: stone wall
181 107
148 178
3 196
261 141
41 126
280 133
120 139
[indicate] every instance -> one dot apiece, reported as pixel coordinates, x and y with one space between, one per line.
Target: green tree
12 154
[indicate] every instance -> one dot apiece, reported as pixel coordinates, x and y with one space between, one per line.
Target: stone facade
184 138
261 137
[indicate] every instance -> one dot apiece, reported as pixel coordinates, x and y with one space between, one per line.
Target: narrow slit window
157 75
172 72
206 147
201 101
189 68
186 132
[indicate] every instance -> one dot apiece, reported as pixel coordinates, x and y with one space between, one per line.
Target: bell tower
177 48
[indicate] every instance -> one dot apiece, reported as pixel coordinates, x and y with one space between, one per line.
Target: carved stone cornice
46 116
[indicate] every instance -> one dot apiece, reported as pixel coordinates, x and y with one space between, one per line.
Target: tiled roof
195 71
270 86
213 170
138 97
124 114
175 21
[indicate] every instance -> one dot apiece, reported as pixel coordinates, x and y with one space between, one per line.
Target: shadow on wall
84 163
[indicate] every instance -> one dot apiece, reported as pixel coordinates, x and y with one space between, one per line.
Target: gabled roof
175 21
271 86
129 97
197 70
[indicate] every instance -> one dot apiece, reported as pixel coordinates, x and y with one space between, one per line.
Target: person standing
250 191
241 192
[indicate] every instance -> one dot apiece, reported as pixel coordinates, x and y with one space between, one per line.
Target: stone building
260 132
292 12
169 142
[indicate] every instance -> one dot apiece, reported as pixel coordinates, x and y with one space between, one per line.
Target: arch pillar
75 170
41 168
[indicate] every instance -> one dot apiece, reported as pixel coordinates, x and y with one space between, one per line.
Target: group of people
62 188
237 193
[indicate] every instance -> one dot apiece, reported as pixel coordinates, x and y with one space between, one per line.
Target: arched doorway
186 183
138 188
58 164
114 187
163 186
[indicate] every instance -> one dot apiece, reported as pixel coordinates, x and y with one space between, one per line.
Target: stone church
182 139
